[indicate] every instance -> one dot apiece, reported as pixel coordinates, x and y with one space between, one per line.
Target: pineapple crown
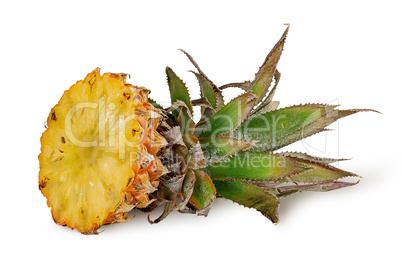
229 152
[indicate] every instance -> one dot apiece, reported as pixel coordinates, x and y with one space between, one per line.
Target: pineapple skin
87 187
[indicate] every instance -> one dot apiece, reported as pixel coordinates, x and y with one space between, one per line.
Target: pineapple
109 148
98 156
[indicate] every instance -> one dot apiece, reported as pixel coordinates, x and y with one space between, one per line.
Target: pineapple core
87 151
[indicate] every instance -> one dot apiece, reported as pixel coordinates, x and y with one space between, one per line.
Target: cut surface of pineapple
96 150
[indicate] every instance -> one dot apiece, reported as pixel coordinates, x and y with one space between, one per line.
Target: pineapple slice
96 154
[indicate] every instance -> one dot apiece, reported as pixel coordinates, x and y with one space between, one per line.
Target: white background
347 52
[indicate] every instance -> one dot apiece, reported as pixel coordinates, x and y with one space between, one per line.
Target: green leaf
207 89
202 102
203 192
319 172
207 111
215 148
195 155
243 85
227 119
268 105
187 188
219 100
169 197
284 191
305 156
186 122
271 94
168 208
184 117
271 106
281 127
154 103
266 72
206 83
250 196
188 183
178 90
247 165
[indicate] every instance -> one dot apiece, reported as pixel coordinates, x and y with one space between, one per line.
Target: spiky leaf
319 172
207 111
227 119
250 196
285 191
249 165
169 197
207 90
317 126
281 127
243 85
305 156
266 72
186 122
267 104
168 208
206 83
215 148
187 188
154 103
204 191
178 90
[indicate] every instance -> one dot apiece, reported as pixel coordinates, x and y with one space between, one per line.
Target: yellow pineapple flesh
98 154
